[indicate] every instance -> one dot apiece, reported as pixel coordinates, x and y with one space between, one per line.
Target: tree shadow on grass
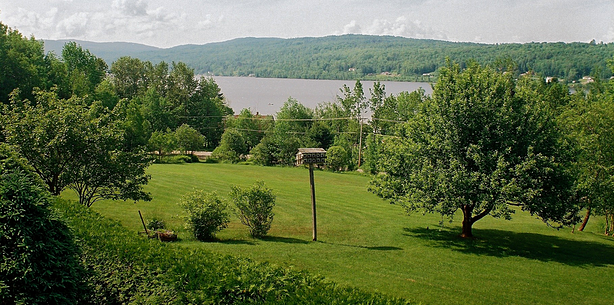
535 246
237 242
377 248
286 240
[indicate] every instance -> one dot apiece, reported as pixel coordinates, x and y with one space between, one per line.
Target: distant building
587 79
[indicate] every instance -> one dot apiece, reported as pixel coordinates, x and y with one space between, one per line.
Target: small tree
188 139
162 142
254 207
232 146
207 213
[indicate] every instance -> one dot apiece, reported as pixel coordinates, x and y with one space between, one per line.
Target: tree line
351 57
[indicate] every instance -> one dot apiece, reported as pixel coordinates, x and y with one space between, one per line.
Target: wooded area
351 57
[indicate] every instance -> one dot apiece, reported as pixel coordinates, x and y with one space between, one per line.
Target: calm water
267 95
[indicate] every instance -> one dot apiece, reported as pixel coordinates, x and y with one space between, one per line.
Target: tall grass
368 243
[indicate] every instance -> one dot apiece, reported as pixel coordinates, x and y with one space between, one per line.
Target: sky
170 23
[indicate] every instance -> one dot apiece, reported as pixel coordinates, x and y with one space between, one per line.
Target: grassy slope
365 242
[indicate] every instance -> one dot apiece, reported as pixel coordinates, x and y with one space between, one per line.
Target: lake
267 95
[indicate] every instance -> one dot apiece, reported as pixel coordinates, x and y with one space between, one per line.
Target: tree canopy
352 57
477 146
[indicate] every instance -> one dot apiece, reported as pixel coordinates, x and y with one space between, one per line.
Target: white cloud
75 25
164 23
131 7
352 28
401 26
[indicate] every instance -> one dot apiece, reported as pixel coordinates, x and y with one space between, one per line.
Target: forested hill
366 57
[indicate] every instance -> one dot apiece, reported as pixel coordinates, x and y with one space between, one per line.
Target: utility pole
361 125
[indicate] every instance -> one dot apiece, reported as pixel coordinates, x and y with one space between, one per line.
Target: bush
207 214
178 159
39 261
337 158
254 207
155 224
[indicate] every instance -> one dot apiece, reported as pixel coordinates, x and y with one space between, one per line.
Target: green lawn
366 242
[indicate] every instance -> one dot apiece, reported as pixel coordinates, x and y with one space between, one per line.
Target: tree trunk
609 223
467 222
585 221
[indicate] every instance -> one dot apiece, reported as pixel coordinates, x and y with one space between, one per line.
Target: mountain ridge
357 56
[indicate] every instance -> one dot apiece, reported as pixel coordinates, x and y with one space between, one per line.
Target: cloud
352 28
401 26
74 26
131 7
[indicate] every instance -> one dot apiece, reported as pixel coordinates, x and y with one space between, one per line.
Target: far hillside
351 57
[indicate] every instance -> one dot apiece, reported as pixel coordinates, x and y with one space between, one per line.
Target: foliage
254 207
39 261
280 144
23 63
162 142
352 57
232 146
172 96
353 101
263 153
337 158
252 127
84 70
188 139
207 214
49 133
478 147
72 145
155 224
589 122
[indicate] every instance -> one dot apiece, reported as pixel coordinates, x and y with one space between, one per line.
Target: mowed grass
366 242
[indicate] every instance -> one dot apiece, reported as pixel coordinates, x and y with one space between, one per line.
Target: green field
368 243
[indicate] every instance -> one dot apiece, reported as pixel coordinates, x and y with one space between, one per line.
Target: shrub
39 262
178 159
337 158
155 224
207 214
254 207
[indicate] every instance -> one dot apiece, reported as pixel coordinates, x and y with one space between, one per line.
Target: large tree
71 144
589 122
478 147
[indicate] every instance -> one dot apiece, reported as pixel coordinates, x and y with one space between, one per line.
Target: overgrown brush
39 261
